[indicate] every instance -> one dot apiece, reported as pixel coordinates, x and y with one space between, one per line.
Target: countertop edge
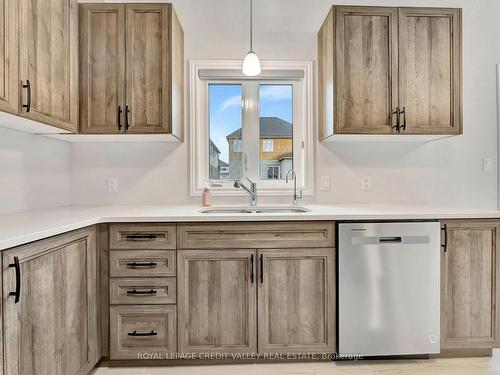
53 230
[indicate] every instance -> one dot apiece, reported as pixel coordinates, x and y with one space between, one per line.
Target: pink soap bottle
206 197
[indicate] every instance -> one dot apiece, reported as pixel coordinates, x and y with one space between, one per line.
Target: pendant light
251 64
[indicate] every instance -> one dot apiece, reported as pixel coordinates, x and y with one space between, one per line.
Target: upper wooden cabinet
470 273
9 86
132 68
430 70
102 68
39 62
386 70
48 61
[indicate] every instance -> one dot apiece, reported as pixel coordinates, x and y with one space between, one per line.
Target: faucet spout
252 190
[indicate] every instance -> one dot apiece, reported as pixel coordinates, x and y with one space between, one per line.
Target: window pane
276 131
225 131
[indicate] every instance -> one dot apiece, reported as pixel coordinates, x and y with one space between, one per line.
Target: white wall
34 172
447 172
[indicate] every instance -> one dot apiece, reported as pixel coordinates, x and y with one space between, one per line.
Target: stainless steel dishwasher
389 288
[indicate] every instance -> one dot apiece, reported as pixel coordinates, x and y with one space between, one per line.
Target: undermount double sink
255 210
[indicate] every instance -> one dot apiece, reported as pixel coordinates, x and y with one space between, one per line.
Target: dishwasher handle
396 239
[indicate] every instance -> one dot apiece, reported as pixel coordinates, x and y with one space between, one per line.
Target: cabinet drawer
137 291
142 329
256 235
139 263
141 236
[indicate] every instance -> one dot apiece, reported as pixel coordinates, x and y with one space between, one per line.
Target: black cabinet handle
139 264
251 269
135 333
444 245
140 237
126 118
119 115
397 112
141 292
17 293
261 269
27 86
403 112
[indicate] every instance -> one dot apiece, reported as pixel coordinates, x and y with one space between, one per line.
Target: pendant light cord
251 25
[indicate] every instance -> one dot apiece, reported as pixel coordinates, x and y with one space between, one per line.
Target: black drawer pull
141 292
17 267
139 264
141 237
389 240
139 334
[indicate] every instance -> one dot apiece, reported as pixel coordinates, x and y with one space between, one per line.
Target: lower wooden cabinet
217 301
296 305
470 275
219 304
50 326
142 331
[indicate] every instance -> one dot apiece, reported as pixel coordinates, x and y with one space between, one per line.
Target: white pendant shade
251 65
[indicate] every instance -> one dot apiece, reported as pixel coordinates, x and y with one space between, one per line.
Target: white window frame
303 134
268 142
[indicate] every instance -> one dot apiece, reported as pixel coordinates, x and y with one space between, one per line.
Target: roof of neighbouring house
222 163
212 144
270 127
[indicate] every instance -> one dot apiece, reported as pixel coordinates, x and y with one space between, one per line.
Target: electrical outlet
366 183
487 165
325 183
113 184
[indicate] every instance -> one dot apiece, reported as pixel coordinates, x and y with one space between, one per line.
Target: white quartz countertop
19 229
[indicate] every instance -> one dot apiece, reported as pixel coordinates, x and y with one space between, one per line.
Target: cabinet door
102 68
326 76
53 327
48 60
366 70
296 304
431 70
469 286
217 301
147 90
9 87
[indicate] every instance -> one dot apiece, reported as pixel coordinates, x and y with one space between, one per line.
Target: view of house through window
273 140
276 131
225 118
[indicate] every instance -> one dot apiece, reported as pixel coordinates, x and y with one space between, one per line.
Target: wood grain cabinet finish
387 70
48 61
53 329
366 69
430 67
132 77
142 329
217 301
142 236
296 303
256 235
142 263
102 68
9 60
469 285
149 291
